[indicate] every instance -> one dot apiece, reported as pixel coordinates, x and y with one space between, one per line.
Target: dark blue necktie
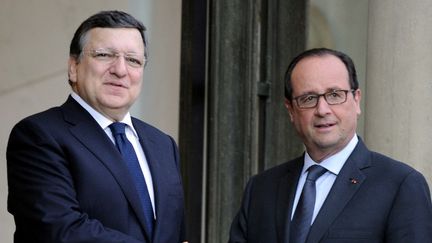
302 219
128 153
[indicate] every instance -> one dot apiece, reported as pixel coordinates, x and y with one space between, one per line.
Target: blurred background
215 82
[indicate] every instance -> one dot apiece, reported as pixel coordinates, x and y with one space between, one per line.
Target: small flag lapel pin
353 181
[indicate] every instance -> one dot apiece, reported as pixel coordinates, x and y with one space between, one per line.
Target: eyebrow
115 50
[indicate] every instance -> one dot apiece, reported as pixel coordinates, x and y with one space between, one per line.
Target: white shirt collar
335 162
103 121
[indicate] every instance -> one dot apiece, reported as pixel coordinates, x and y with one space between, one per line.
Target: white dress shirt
132 136
333 164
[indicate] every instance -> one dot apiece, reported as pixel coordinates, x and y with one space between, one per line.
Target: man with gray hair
87 171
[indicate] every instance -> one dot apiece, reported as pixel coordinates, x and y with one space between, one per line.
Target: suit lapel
152 153
342 191
285 198
91 135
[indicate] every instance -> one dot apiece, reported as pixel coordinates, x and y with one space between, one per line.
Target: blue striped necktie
302 219
128 153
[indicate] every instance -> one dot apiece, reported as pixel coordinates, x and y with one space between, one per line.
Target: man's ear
357 98
288 105
72 69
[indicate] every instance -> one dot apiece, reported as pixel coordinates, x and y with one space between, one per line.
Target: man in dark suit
72 176
358 195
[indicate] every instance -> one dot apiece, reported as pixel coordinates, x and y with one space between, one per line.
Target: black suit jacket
67 181
374 199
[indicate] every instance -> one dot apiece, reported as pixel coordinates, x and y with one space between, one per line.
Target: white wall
399 114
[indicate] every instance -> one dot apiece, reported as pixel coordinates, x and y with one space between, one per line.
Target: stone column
398 110
247 127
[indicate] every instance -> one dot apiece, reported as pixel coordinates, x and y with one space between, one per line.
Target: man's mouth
116 84
324 125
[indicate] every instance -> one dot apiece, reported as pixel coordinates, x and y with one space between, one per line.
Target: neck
319 156
320 153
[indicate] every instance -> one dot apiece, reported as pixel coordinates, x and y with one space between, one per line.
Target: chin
115 100
327 143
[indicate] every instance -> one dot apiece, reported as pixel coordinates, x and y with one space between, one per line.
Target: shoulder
282 169
379 165
43 116
392 173
45 119
273 175
69 112
147 131
390 167
147 128
41 129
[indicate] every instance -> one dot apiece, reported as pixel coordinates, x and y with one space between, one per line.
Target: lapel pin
353 181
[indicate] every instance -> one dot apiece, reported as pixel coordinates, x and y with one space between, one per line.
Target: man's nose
322 107
119 66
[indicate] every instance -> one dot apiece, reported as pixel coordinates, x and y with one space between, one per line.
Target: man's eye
335 94
307 98
134 61
103 54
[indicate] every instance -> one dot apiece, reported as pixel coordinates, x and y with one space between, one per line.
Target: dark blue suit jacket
373 200
67 182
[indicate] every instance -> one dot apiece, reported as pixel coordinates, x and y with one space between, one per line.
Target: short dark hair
319 52
105 19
